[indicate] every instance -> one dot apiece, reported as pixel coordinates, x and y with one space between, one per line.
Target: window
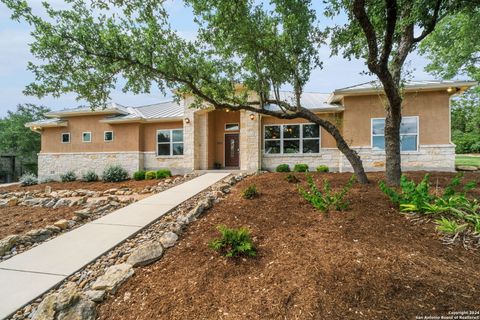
66 137
87 137
232 127
291 138
108 136
170 142
408 134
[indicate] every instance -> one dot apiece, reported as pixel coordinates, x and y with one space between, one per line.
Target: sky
14 56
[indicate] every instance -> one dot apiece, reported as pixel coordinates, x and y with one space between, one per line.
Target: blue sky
14 55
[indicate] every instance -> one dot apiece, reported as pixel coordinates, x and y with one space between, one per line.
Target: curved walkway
28 275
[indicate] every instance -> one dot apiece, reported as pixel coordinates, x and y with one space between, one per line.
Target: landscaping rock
61 203
12 202
68 303
62 224
37 235
95 295
168 239
7 243
467 168
32 202
51 203
48 189
113 277
146 254
82 214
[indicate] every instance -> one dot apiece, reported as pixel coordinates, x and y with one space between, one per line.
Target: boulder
95 295
11 202
467 168
50 203
82 214
48 190
168 239
7 243
113 277
145 254
32 202
62 224
61 203
38 235
68 303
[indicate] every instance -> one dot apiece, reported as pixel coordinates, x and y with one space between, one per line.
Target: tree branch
369 30
431 25
391 8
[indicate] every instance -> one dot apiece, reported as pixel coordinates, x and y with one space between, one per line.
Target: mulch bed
367 263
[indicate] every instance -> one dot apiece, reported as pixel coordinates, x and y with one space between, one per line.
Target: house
172 135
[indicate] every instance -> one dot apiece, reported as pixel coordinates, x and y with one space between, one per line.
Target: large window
291 138
408 134
170 142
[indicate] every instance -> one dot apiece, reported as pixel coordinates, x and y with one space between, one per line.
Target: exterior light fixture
227 110
449 89
252 116
452 90
187 120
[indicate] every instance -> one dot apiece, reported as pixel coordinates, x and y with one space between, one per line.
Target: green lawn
461 160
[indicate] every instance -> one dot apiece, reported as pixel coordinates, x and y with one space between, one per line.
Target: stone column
250 142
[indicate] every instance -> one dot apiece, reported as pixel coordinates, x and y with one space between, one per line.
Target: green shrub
283 168
150 175
46 180
250 192
163 173
139 175
114 173
450 226
28 179
234 242
68 176
291 178
90 176
322 168
326 199
300 167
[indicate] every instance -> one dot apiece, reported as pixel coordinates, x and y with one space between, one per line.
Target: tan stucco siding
149 133
126 136
432 108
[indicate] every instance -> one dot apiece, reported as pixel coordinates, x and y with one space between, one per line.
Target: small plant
114 173
163 173
300 167
283 168
326 199
139 175
90 176
415 195
68 176
46 180
234 242
217 165
28 179
150 175
322 168
250 192
450 226
291 178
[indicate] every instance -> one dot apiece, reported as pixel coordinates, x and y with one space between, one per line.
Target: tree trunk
393 169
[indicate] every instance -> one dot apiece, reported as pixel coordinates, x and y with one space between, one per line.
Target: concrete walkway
28 275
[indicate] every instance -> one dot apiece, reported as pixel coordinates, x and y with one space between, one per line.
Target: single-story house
172 135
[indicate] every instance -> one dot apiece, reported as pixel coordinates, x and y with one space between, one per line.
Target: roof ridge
153 104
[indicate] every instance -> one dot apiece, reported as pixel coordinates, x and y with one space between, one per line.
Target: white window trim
83 133
231 130
69 137
104 133
301 138
171 144
405 134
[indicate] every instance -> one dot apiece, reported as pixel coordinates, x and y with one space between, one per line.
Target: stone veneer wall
52 165
250 142
177 164
327 156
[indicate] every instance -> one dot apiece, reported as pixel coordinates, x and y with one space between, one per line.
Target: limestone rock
68 303
95 295
146 254
113 277
83 214
48 189
467 168
11 202
168 239
61 203
62 224
7 243
38 235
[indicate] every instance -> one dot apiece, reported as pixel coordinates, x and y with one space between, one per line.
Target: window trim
301 138
69 137
104 133
405 134
231 130
171 142
90 137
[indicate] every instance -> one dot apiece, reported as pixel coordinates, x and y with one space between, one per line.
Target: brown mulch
20 219
367 263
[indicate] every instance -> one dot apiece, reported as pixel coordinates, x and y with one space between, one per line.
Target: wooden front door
232 150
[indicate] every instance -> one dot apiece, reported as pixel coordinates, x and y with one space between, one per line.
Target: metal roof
55 122
167 109
308 100
111 108
376 85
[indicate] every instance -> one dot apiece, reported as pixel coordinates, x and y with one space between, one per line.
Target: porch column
250 143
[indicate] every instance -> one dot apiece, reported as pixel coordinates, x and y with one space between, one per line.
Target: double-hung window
170 142
408 134
291 138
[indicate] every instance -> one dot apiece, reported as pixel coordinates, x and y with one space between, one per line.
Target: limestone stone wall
329 157
250 143
177 164
52 165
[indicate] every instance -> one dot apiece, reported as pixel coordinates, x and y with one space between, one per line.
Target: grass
462 160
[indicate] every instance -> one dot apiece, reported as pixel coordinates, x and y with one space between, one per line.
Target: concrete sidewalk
28 275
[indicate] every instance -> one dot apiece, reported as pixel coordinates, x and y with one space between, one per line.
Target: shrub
291 178
300 167
326 199
28 179
46 180
234 242
450 226
322 168
283 168
68 176
163 173
114 173
150 175
90 176
250 192
139 175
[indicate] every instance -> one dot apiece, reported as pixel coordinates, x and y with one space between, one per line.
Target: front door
232 150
